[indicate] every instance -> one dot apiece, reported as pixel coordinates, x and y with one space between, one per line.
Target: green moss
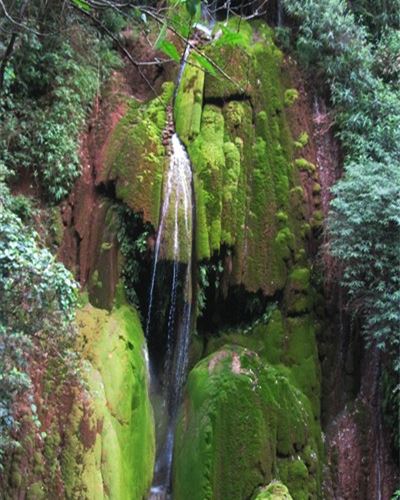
231 178
229 393
302 140
282 217
300 279
295 474
208 158
303 164
305 230
317 219
266 337
268 272
234 59
316 189
291 96
135 155
285 242
202 239
274 491
189 103
274 338
302 357
296 197
36 492
115 410
16 478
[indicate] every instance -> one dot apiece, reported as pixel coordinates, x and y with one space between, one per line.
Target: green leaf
191 6
161 36
180 24
170 50
82 4
205 64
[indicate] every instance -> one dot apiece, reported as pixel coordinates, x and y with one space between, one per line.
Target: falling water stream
173 245
279 16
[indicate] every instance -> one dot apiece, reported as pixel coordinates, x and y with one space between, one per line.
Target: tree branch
11 43
193 47
14 21
133 61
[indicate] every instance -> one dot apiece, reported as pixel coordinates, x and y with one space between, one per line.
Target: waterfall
174 245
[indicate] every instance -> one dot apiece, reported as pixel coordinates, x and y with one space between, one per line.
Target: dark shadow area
227 305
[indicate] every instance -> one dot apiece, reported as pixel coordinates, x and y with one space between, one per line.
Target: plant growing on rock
48 85
37 312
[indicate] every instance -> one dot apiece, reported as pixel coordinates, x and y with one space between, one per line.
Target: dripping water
279 16
175 144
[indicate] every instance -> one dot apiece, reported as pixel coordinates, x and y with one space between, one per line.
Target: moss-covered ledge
135 155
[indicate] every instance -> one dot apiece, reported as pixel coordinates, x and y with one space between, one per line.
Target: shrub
364 224
49 87
364 228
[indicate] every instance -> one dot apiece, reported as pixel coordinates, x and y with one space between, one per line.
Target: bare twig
11 43
152 13
133 61
16 23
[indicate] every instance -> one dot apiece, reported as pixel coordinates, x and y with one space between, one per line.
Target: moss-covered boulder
109 449
239 415
274 491
95 436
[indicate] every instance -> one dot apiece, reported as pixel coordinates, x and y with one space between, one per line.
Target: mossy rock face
301 356
135 155
208 159
235 62
232 57
299 294
295 473
287 342
242 158
189 102
237 136
109 449
239 413
105 272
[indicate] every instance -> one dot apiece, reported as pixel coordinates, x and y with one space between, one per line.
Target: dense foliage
357 54
51 69
49 85
38 297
